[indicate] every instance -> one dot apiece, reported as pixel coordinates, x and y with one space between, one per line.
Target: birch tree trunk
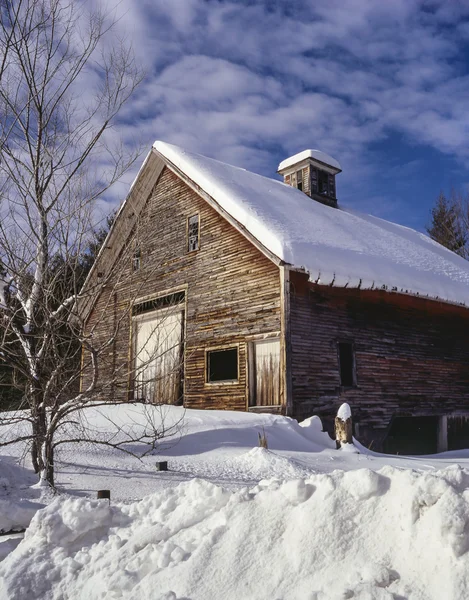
64 77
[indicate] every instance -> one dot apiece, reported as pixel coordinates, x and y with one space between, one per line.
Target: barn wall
232 291
411 354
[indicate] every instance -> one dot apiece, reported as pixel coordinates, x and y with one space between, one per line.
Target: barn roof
339 247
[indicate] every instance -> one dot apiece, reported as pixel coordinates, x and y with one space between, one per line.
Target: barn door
158 356
265 373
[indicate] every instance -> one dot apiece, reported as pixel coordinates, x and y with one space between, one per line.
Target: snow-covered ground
300 520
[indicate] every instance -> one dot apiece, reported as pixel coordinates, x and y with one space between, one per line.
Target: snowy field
230 520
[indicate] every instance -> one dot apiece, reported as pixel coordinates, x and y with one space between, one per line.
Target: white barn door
158 355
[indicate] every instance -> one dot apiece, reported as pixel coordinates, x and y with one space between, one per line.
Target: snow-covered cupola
312 172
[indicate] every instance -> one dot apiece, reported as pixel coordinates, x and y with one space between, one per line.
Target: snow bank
16 511
358 534
260 463
335 246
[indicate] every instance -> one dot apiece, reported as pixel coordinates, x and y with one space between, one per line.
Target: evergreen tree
448 224
65 273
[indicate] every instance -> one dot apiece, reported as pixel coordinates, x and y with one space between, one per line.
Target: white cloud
251 82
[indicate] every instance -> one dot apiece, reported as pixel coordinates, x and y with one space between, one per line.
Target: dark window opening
458 432
299 180
136 260
346 364
322 183
222 365
193 233
412 435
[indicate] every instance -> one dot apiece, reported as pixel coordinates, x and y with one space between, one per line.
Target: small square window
193 233
222 365
136 260
346 364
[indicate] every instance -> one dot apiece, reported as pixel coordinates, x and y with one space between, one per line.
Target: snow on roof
314 154
337 247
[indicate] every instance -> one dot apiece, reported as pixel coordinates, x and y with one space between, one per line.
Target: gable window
222 365
346 364
136 259
193 233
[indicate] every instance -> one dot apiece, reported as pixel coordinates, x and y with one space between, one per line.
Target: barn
219 288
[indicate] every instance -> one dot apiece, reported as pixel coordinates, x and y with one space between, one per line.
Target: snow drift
359 534
16 511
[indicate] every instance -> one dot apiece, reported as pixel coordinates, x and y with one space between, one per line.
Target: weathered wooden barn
230 290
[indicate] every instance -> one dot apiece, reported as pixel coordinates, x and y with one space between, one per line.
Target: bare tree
64 78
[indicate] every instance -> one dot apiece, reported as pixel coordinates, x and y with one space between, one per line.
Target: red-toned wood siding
412 355
232 289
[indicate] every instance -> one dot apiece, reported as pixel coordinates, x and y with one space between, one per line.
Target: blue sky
381 85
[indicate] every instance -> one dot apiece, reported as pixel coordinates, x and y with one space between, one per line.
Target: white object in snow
334 246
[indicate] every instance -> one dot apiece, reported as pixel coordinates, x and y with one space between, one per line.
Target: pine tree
448 226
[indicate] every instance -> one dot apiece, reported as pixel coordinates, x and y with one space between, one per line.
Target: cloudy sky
381 85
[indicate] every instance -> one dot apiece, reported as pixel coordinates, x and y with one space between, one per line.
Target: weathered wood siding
411 355
232 290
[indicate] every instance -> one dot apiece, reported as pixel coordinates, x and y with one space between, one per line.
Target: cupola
313 172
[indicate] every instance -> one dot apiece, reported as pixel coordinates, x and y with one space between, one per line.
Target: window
346 364
322 183
222 365
193 233
136 260
323 180
157 303
299 180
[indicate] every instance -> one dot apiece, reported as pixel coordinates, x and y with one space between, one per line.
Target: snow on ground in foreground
361 534
301 520
214 445
16 505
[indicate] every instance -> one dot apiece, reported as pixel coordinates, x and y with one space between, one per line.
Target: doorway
265 373
412 435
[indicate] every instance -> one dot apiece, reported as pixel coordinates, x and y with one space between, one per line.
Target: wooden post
106 494
162 465
263 440
343 426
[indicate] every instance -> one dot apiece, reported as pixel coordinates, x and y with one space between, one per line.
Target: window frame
354 364
188 233
299 182
137 259
223 348
316 176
